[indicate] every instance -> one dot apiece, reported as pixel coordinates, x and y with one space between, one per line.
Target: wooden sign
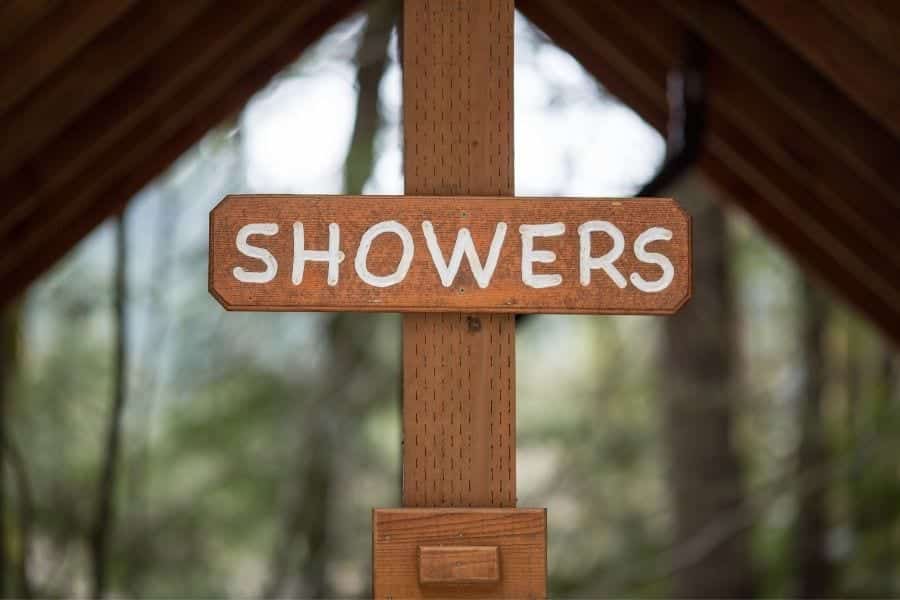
417 254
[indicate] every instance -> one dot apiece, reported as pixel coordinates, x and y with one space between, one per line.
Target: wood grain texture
17 17
459 564
142 31
51 43
846 59
422 289
520 535
163 91
796 190
164 134
458 139
797 90
876 22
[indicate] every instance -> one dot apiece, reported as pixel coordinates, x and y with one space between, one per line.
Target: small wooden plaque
455 253
460 553
459 564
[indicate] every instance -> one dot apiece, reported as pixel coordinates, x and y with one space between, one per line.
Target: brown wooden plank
189 103
68 222
458 128
44 48
372 271
867 223
799 237
640 34
19 16
520 535
876 22
870 220
848 61
103 63
441 565
218 42
799 91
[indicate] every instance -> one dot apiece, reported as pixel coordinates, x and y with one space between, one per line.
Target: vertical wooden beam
458 369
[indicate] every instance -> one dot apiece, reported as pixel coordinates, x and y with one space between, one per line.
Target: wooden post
459 419
458 534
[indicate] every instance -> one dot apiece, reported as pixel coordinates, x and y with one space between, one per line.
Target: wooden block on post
459 564
459 553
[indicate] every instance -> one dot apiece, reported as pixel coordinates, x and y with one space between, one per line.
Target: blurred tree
6 370
711 554
813 568
104 519
326 428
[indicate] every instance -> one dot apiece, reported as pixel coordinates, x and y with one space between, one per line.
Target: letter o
365 244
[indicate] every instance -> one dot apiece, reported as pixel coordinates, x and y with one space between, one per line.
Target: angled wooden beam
160 146
18 16
639 41
872 216
830 120
186 104
112 119
876 22
102 64
803 244
48 45
846 59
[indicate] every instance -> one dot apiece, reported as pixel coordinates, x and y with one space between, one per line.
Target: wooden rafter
832 121
34 122
219 46
796 197
164 135
852 64
48 45
804 136
876 22
18 16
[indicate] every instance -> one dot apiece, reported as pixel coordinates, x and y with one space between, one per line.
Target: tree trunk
311 517
711 553
104 520
5 375
814 571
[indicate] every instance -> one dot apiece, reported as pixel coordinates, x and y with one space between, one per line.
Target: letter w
464 245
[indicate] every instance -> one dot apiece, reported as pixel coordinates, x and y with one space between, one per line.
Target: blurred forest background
154 445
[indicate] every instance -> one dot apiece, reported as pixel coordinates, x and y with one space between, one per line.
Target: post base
459 553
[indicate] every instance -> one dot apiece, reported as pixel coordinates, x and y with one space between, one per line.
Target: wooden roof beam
112 118
645 39
876 22
868 223
807 250
159 151
832 121
847 60
18 16
94 71
643 46
51 43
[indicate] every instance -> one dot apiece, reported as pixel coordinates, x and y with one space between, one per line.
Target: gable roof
803 128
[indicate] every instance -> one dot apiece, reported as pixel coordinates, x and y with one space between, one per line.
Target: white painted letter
530 255
668 271
605 262
333 256
464 245
366 243
258 253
